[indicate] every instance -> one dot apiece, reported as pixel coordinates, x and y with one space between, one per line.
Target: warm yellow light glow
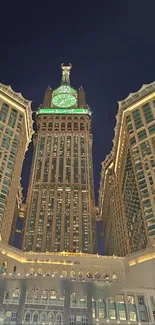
139 103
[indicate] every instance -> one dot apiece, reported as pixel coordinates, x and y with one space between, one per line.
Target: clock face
64 100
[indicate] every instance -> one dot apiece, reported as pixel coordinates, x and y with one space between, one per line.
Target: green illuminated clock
64 100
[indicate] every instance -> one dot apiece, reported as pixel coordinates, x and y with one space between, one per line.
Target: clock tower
60 213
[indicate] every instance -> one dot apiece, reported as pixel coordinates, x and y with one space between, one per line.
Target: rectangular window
101 313
142 135
148 113
151 129
4 112
132 316
137 119
122 315
112 314
132 141
145 148
12 118
141 300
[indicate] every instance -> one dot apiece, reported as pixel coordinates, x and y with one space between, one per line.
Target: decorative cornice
24 103
15 96
133 97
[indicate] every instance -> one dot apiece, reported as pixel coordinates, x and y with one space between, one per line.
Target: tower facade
127 188
16 129
60 202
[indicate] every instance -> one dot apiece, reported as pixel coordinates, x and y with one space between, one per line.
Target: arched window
115 277
35 317
3 268
106 278
43 318
63 126
84 320
50 318
56 273
97 275
81 275
58 319
81 126
73 274
64 274
89 275
27 317
69 126
31 271
75 126
48 272
40 272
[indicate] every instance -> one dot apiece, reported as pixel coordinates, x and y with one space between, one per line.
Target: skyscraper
127 188
60 202
15 134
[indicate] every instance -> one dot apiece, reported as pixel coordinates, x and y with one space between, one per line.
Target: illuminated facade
17 229
76 288
60 203
127 187
15 134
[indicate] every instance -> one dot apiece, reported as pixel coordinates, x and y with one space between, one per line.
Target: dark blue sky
110 43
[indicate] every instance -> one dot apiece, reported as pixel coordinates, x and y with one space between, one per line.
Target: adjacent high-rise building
16 129
60 202
127 187
17 229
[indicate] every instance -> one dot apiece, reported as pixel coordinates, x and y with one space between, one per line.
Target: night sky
110 43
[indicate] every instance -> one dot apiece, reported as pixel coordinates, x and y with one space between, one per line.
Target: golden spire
66 73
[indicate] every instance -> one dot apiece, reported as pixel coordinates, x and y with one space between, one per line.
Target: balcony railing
42 301
12 300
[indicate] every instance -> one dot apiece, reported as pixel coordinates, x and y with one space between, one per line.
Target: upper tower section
64 99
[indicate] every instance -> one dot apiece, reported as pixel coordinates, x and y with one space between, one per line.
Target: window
4 112
141 300
137 119
50 318
120 299
82 127
148 113
101 313
112 314
35 317
122 315
69 126
142 135
44 126
84 320
12 118
27 317
56 127
151 129
72 320
132 316
143 316
132 141
75 126
131 300
145 148
63 126
58 319
14 316
50 126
